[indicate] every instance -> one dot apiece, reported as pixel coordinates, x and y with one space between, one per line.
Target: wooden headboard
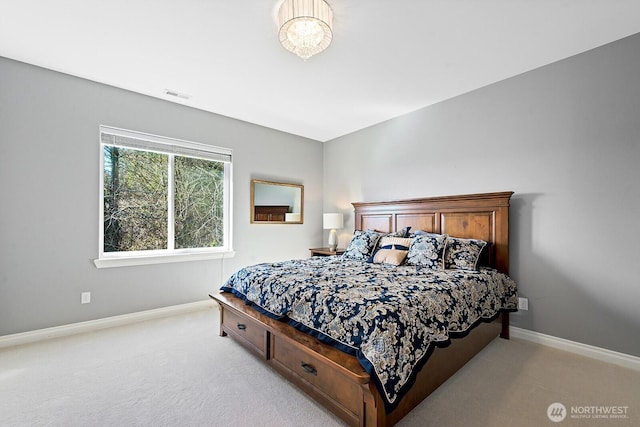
470 216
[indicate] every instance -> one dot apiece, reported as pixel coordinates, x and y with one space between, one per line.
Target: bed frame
336 379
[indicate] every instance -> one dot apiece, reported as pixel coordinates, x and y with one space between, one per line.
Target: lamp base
333 240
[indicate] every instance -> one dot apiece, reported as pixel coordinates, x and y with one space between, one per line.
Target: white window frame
171 147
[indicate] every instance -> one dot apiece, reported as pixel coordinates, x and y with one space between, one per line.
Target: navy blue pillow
463 254
427 250
361 245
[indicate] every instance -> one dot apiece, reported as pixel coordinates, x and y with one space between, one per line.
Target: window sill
159 259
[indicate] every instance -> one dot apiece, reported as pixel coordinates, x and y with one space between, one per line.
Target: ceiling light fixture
305 26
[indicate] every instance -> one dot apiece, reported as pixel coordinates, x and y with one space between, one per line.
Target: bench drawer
316 375
249 333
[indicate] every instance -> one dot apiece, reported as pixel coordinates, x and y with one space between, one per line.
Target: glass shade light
332 221
305 26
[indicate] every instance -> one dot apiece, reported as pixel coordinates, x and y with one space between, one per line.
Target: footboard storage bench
331 377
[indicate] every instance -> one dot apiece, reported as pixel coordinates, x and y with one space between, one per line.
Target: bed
322 336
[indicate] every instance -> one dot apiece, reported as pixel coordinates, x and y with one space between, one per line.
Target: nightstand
325 251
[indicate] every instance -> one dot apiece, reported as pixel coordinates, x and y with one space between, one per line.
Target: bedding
389 317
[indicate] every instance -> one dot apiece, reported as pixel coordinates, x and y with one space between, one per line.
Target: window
162 199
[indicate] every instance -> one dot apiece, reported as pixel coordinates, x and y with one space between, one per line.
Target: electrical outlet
523 303
85 298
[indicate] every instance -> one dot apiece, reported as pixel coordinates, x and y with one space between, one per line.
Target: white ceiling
387 58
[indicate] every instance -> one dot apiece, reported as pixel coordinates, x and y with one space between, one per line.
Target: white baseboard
107 322
609 356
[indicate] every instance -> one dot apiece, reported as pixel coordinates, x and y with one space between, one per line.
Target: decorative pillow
394 241
426 250
485 256
361 245
403 232
463 254
391 250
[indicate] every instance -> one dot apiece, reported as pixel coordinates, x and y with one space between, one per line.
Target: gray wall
49 171
566 139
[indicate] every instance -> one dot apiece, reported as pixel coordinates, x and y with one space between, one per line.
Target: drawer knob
309 368
241 326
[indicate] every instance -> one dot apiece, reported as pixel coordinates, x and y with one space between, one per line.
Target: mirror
276 202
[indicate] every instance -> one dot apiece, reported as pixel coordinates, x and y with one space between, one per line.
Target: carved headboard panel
482 216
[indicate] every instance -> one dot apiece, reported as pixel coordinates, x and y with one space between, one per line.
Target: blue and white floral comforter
388 316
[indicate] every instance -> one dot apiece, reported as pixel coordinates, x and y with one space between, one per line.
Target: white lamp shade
332 221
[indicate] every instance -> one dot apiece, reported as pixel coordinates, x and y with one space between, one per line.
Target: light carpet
177 371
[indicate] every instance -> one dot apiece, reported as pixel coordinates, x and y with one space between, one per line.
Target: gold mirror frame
276 202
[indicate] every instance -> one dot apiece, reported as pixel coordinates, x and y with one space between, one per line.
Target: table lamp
332 221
